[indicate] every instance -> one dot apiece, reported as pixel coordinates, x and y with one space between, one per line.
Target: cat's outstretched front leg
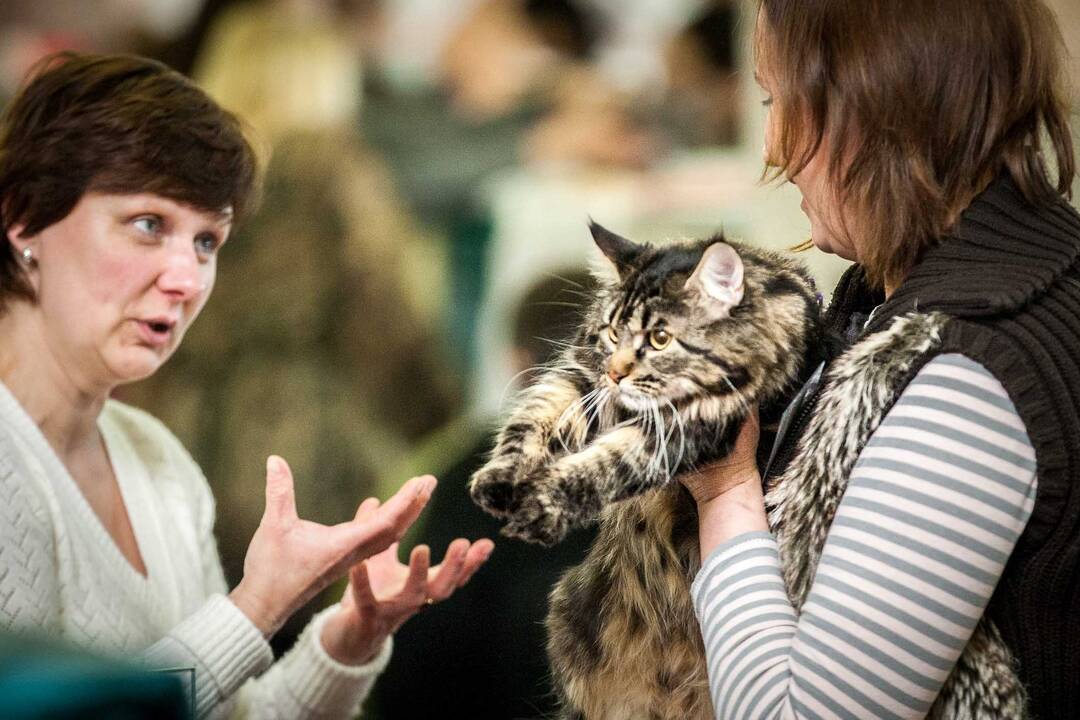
573 490
524 442
623 462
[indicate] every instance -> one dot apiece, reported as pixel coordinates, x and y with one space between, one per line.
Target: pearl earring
28 255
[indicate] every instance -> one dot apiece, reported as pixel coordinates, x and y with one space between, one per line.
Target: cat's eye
612 335
659 339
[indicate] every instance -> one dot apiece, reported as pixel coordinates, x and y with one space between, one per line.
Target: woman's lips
155 333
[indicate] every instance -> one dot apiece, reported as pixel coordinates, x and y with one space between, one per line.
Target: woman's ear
718 279
23 248
14 235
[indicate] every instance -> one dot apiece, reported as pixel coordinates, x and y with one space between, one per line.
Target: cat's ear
619 252
718 278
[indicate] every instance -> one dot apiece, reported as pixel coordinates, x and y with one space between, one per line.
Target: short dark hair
119 124
565 26
550 313
942 96
714 30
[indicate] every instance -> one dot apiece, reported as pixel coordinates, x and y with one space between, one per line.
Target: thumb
280 496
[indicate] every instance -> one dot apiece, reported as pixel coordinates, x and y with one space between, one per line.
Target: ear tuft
618 250
718 278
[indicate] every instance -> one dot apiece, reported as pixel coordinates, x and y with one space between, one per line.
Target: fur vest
1004 290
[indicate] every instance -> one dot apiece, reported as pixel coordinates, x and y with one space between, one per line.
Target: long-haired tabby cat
680 342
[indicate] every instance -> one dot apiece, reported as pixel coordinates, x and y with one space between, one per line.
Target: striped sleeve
933 509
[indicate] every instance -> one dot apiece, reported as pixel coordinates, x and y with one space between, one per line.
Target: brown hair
922 104
113 123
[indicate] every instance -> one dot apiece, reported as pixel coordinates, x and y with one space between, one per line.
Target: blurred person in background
30 30
701 106
498 73
328 352
119 182
483 654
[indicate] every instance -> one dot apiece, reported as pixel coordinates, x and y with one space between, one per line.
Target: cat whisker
575 413
556 303
738 395
682 430
540 369
566 280
598 397
560 343
660 457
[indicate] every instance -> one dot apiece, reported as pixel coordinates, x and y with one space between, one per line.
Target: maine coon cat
680 342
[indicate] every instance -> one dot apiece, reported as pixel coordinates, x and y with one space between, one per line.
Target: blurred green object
45 680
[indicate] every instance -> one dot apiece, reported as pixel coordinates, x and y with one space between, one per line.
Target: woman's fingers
478 554
444 578
359 538
280 496
361 588
416 583
402 509
366 509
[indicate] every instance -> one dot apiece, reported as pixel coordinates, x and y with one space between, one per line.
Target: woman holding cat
119 182
925 495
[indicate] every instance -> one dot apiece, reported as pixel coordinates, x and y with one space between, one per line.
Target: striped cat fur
680 342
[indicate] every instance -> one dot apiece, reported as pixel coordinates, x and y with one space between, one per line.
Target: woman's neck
64 406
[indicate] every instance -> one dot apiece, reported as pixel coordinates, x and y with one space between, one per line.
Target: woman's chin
825 243
137 364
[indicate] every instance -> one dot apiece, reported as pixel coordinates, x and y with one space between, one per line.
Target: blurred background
431 166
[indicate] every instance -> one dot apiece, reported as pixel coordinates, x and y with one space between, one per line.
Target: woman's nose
182 276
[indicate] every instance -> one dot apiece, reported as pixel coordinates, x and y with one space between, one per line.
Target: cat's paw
492 487
538 517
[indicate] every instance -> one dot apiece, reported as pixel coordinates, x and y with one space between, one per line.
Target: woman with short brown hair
924 494
120 180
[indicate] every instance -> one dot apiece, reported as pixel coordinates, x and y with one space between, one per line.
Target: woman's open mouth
157 332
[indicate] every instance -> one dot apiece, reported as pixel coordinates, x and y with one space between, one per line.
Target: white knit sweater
61 572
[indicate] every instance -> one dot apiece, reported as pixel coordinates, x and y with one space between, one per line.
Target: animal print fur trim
861 387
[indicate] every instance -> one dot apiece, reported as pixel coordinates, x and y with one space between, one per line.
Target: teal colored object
42 680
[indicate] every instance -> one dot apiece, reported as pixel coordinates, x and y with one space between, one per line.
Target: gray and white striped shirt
934 507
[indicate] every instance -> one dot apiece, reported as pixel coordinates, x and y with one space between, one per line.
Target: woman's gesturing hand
290 560
383 593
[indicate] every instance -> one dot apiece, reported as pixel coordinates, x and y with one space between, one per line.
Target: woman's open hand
383 593
290 560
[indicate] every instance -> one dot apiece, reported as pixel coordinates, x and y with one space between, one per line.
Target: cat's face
656 349
682 323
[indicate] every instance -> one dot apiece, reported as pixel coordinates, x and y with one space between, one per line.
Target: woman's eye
767 102
612 335
149 224
659 339
206 244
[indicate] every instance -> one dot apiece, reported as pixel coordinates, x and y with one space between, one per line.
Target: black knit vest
1009 277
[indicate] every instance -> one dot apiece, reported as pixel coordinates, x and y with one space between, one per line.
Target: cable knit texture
61 572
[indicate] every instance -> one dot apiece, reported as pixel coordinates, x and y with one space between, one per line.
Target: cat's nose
618 369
